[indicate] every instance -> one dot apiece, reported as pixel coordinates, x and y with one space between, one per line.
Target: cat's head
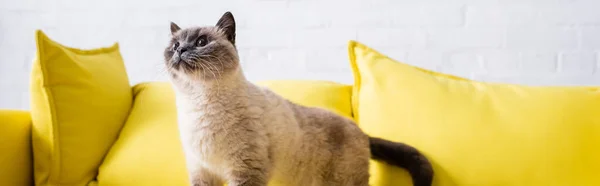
203 53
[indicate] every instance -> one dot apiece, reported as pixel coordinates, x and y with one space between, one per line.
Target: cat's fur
236 132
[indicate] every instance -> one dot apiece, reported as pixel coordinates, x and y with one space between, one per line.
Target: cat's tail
404 156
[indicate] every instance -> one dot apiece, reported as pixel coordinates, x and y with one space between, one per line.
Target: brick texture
538 42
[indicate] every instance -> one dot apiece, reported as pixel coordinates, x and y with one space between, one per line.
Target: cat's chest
206 126
202 136
208 138
198 125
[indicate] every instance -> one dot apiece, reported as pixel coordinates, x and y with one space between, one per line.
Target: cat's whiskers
214 75
220 62
217 69
216 79
195 65
203 70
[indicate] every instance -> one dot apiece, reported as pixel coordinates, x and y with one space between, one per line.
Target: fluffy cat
235 132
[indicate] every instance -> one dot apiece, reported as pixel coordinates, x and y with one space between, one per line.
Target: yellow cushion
79 102
15 148
148 151
477 133
332 96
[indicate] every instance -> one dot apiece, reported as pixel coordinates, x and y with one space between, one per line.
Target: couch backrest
15 148
148 145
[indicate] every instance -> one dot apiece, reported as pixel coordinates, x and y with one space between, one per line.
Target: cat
236 132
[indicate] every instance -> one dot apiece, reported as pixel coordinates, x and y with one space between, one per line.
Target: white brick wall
540 42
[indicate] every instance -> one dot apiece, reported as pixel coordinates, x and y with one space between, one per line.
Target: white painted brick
17 39
336 14
272 14
264 38
26 19
501 14
328 60
527 14
90 5
12 99
307 19
501 62
158 17
462 64
573 12
145 37
310 14
397 14
428 14
590 38
398 38
267 59
580 62
306 39
597 67
26 4
347 19
539 62
466 38
247 55
322 37
542 38
275 18
11 67
189 16
92 18
287 59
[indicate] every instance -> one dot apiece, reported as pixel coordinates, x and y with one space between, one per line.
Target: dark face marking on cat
209 51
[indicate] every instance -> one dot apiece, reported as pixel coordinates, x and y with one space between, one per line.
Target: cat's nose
182 50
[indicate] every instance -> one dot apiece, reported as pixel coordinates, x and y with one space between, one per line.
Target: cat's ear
174 28
227 23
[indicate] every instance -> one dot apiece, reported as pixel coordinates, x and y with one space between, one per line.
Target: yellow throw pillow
332 96
79 102
477 133
148 151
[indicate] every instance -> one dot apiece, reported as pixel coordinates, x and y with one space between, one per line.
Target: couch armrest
15 148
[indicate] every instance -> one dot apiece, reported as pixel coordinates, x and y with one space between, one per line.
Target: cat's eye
202 41
175 46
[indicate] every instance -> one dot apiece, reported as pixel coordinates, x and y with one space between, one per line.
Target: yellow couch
16 165
87 126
